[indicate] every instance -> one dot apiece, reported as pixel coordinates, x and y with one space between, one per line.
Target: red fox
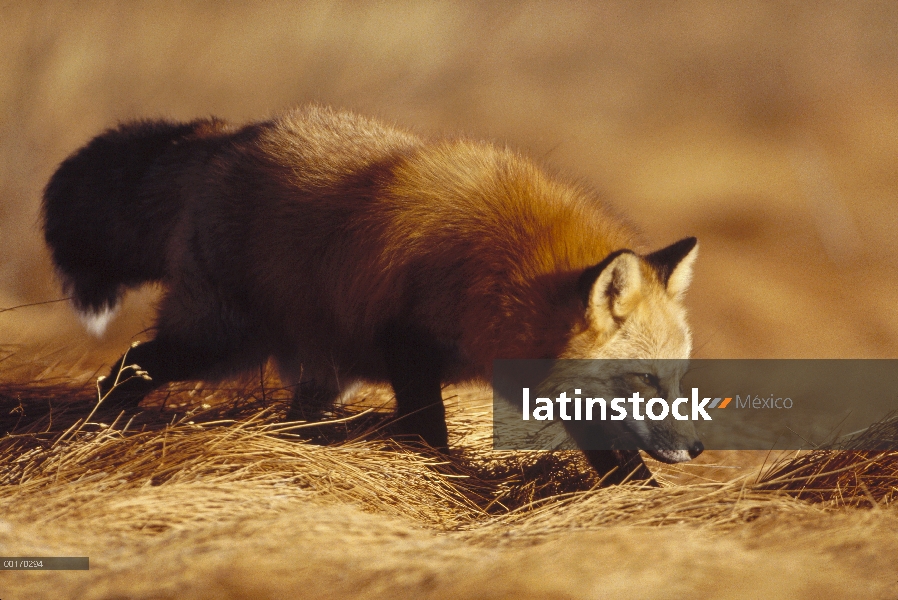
350 250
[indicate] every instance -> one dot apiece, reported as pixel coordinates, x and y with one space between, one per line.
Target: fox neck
536 321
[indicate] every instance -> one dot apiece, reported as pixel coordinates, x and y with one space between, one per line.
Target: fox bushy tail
110 208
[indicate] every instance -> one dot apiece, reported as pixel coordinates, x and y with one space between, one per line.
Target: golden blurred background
768 130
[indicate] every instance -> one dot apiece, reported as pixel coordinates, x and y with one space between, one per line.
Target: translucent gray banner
727 404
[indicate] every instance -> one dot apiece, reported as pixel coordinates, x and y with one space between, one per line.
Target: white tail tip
96 322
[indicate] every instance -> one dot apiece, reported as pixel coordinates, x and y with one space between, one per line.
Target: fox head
633 310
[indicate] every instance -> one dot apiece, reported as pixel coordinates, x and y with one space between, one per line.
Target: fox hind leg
311 400
314 393
197 338
160 361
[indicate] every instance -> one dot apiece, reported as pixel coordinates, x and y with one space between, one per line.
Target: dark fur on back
110 206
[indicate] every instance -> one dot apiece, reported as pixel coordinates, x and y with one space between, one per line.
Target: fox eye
649 380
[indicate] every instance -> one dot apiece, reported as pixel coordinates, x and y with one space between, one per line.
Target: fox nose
696 449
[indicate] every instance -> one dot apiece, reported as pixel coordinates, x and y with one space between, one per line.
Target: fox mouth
665 455
669 456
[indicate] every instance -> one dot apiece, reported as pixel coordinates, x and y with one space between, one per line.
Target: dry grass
843 476
215 482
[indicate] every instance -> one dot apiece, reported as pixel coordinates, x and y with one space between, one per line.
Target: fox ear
673 265
611 288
